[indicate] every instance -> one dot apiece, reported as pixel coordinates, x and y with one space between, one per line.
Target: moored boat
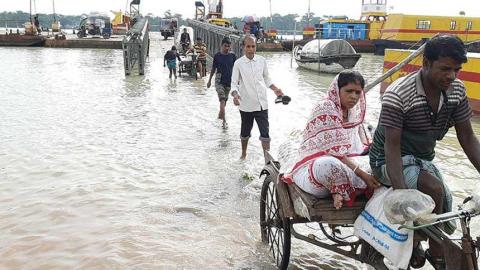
22 40
470 73
326 55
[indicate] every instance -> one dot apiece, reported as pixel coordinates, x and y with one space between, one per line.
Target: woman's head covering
327 134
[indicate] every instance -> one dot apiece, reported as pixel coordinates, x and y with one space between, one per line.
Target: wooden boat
470 73
22 40
326 55
31 37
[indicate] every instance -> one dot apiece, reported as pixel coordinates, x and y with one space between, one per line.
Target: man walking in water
250 80
223 64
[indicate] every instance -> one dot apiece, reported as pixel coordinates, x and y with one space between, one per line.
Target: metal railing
212 35
136 45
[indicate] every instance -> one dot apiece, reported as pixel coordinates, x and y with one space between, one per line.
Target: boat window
469 25
423 24
453 25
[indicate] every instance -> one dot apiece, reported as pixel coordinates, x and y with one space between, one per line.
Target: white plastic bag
373 227
408 205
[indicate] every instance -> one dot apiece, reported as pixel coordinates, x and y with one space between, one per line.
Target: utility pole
308 15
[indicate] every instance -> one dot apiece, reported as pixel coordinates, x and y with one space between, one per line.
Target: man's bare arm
469 142
393 157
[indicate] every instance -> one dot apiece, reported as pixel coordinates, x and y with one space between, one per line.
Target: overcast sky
239 8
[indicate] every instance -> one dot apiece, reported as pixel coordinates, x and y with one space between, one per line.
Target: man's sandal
418 257
436 261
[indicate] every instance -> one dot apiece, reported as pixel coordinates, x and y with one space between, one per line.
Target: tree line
280 22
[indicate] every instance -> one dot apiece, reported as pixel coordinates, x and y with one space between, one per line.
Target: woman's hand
371 181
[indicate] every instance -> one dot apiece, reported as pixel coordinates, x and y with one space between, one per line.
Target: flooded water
103 171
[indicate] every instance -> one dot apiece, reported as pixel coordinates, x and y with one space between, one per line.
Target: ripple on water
103 171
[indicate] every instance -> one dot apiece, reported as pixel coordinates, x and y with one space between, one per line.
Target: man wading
223 64
250 80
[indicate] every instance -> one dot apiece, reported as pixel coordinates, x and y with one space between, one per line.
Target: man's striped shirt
405 107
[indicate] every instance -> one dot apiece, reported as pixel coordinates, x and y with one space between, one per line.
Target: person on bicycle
201 50
185 40
417 111
222 64
327 162
170 58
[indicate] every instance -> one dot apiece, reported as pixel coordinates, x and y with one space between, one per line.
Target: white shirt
250 79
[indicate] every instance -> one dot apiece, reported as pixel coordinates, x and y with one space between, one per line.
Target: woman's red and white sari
325 136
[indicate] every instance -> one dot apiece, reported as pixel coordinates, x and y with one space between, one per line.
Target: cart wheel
194 72
275 230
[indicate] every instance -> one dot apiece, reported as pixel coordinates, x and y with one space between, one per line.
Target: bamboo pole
395 68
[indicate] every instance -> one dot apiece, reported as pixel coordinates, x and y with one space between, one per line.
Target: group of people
254 29
199 48
417 111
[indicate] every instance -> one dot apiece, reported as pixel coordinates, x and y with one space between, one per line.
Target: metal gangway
212 35
136 46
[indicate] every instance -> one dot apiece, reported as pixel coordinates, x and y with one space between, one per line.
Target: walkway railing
212 35
136 44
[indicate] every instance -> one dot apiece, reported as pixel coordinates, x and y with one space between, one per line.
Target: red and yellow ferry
400 31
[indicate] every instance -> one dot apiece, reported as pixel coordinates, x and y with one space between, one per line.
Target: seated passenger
328 162
185 40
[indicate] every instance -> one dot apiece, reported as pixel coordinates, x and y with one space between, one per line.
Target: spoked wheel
194 72
275 230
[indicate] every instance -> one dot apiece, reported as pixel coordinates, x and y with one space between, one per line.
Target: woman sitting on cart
328 162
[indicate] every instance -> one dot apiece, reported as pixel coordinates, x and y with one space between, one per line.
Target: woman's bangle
355 170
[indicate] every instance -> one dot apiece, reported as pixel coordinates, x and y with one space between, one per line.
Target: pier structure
135 45
212 35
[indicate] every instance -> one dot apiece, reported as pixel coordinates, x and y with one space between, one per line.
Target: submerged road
103 171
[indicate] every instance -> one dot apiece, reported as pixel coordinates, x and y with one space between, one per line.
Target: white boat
326 55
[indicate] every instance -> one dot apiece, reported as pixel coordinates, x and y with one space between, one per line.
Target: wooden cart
283 205
188 65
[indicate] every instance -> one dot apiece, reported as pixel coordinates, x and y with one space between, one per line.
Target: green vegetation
17 19
286 22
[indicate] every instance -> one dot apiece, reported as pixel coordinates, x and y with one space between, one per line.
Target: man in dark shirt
185 40
417 111
170 58
223 64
